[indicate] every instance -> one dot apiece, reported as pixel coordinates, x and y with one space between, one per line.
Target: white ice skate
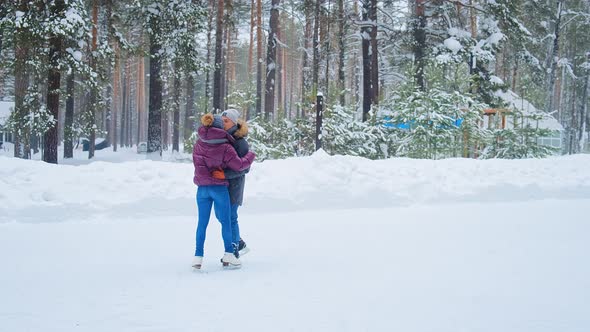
197 262
229 260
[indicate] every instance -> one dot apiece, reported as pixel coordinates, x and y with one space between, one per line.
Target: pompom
207 119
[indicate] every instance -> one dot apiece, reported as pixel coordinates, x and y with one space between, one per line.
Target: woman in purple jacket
214 151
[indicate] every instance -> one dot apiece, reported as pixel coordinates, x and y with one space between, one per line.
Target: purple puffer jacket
214 151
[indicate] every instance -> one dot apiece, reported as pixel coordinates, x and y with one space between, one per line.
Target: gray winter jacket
237 180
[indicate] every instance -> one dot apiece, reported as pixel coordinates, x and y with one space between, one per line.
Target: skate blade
228 266
244 251
197 266
232 267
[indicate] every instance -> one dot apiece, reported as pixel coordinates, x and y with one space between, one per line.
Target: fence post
319 106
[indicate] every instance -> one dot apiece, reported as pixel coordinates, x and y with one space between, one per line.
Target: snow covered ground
338 244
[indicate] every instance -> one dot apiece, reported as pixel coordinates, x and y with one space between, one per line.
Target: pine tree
419 23
259 72
271 61
23 40
57 10
5 12
374 53
40 31
341 51
155 22
170 25
218 77
308 7
211 7
367 59
92 104
69 117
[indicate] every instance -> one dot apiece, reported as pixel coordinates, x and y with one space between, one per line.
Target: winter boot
242 249
197 262
230 261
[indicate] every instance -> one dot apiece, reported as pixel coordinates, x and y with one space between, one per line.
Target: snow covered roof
514 101
6 108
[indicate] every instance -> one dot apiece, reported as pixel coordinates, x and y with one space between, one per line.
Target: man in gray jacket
237 180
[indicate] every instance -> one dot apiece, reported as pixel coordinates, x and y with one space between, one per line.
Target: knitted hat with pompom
210 120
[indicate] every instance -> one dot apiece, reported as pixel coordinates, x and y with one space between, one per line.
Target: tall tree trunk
271 61
1 30
341 35
279 69
367 76
325 24
419 43
251 45
561 94
189 113
564 99
116 102
109 109
218 75
176 101
292 59
356 66
155 98
307 43
2 4
21 85
124 97
316 50
258 57
584 107
514 75
549 107
166 122
69 119
109 103
283 71
128 131
319 121
472 59
576 121
140 98
251 53
50 140
500 62
374 53
229 54
226 58
165 131
35 143
208 73
93 92
232 82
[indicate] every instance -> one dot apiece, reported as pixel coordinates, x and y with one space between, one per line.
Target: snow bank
65 192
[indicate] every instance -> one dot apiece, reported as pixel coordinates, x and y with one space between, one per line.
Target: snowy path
494 267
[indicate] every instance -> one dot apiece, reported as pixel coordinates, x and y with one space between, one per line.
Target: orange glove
218 174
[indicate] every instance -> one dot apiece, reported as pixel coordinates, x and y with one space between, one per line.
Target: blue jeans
218 197
235 229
